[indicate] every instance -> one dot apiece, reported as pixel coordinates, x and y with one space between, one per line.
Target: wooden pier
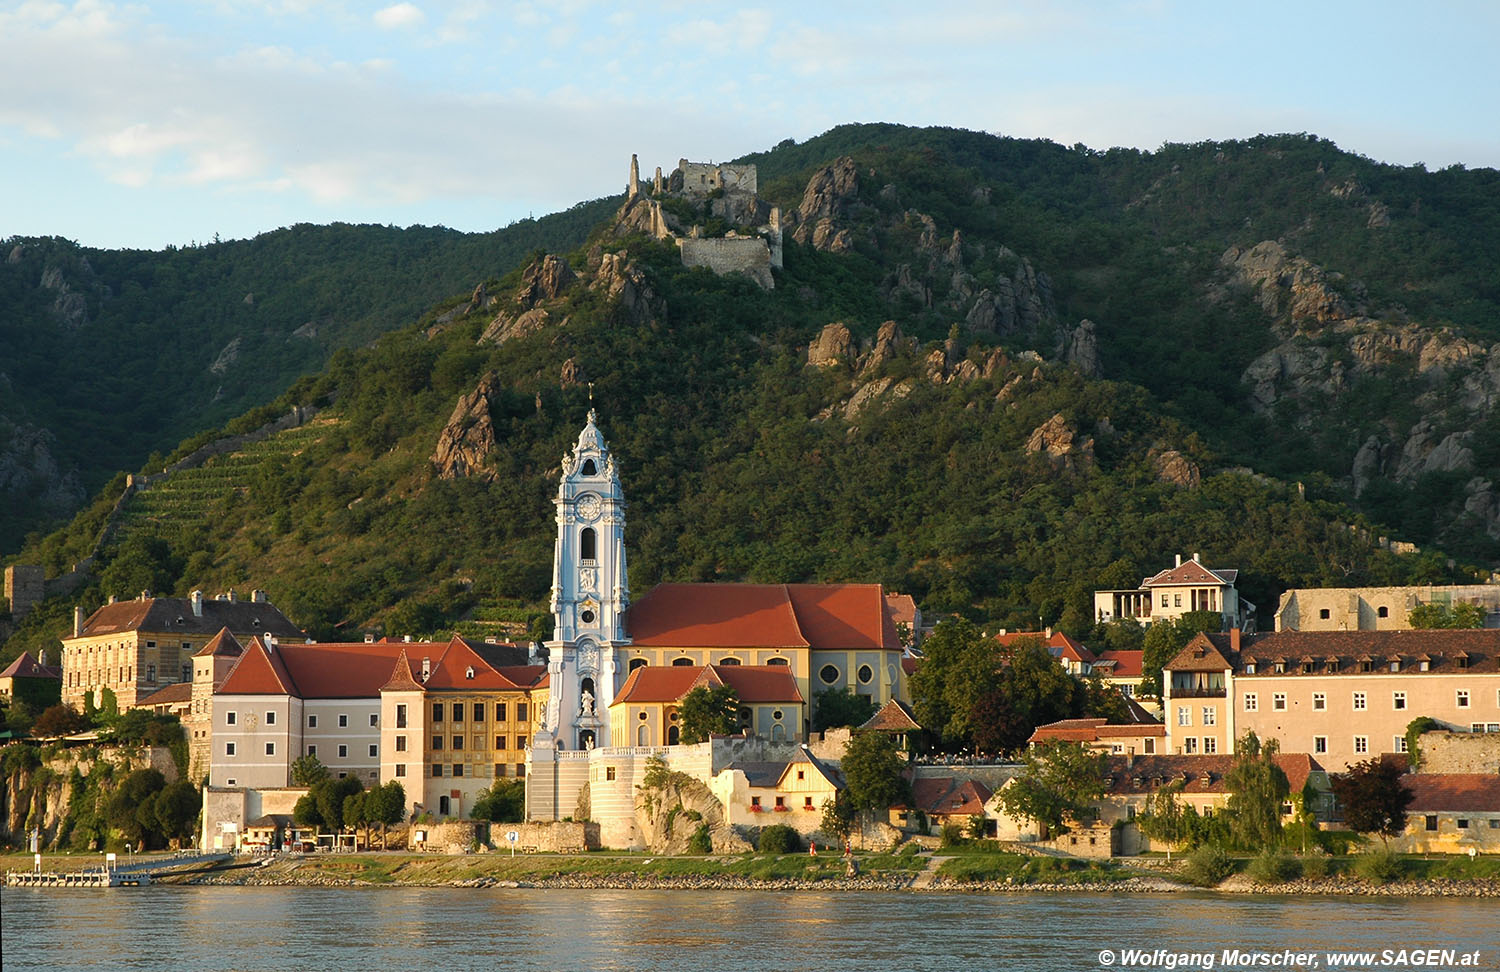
109 875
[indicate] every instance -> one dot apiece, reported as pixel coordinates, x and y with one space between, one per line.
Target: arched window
588 544
589 469
643 735
682 662
673 734
777 661
1383 611
634 664
729 661
778 732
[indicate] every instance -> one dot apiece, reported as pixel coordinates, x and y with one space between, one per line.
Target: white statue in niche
586 703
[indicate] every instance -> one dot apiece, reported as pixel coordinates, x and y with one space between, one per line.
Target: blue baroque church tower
590 593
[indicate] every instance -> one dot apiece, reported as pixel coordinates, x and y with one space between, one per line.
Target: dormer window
1424 665
589 469
1462 659
1366 665
1307 666
1279 667
1395 664
469 672
1331 665
1249 668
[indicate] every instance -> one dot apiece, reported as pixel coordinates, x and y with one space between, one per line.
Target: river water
390 929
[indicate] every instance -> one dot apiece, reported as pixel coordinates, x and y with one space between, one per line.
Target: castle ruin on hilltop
751 244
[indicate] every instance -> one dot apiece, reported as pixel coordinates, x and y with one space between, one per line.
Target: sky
150 124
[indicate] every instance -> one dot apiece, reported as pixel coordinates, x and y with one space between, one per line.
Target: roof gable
1200 655
223 643
1189 572
669 683
894 716
28 667
258 672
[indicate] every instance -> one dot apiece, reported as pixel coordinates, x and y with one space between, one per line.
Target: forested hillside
997 374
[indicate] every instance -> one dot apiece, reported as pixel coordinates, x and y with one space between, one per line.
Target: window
589 469
729 661
1382 612
1164 600
1398 700
1210 745
1320 744
343 752
609 772
499 771
520 742
520 769
499 711
438 709
1278 701
312 750
150 673
1250 668
229 782
588 544
1398 744
807 803
187 671
458 770
829 674
229 718
401 715
229 749
1190 745
1462 823
1184 715
520 711
437 770
270 749
755 802
374 719
1251 704
1461 698
1320 702
865 673
1361 744
458 742
499 742
400 769
270 718
1150 749
373 750
1323 614
478 711
437 742
1430 821
1359 701
1177 600
312 722
777 661
1210 715
781 803
681 662
400 744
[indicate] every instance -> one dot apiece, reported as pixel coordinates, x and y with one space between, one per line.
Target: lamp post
129 854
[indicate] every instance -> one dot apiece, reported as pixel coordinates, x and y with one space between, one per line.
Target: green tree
131 808
838 816
874 772
837 708
60 720
175 811
503 802
1414 731
709 711
386 805
1435 615
1374 798
961 668
1058 783
1257 789
308 770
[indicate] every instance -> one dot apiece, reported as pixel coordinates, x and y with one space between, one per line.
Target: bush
1379 867
1207 866
953 834
700 843
779 839
1272 866
1315 864
909 849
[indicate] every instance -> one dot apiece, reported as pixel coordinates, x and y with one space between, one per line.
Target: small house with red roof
34 682
1451 813
792 792
1069 652
1188 585
1132 739
646 709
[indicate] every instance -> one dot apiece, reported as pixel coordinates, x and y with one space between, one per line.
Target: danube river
392 929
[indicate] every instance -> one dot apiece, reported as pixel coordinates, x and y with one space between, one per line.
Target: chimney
406 638
1197 559
369 638
1049 632
197 597
77 620
113 599
270 641
258 596
145 595
41 658
426 668
1179 561
1234 640
1130 760
233 597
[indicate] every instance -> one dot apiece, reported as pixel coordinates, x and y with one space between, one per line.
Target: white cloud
398 16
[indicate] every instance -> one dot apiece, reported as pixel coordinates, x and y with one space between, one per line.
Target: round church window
865 674
829 674
587 617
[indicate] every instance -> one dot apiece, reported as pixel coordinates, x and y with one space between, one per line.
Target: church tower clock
590 593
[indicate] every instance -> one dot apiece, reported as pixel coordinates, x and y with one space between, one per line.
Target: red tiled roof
402 678
1200 655
909 663
1120 662
894 716
174 615
223 643
669 683
1443 648
258 672
944 796
824 617
1190 572
1453 792
903 610
1058 643
28 667
1154 772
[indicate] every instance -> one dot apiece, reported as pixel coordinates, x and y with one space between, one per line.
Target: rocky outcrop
1060 444
1426 451
670 814
888 343
833 348
627 285
31 476
227 356
466 442
1175 468
829 195
1079 347
507 326
1288 287
881 390
1015 305
544 280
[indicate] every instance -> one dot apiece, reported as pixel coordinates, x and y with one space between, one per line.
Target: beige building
1340 696
645 713
1376 608
134 648
1171 593
1130 739
1451 813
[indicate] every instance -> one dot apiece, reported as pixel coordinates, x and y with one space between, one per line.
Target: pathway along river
441 929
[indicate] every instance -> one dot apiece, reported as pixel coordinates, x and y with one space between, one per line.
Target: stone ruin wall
748 255
1460 752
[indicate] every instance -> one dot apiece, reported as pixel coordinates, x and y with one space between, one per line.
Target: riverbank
784 873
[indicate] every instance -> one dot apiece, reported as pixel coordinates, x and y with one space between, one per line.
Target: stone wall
1459 752
1359 608
749 255
25 584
